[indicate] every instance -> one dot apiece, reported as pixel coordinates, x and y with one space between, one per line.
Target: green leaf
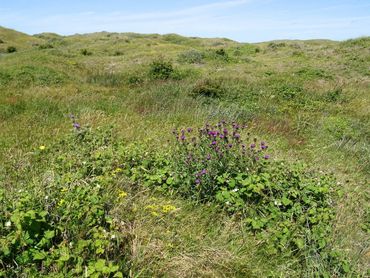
300 243
99 265
49 234
286 201
38 255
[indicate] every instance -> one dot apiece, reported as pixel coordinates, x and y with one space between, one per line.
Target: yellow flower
42 148
122 194
168 208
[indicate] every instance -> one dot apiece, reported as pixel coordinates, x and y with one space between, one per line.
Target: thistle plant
213 150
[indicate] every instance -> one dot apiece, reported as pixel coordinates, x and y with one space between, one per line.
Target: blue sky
242 20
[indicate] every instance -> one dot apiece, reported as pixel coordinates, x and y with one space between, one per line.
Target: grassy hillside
12 38
109 195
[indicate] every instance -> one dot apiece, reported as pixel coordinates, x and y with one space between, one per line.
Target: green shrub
212 88
118 53
46 46
219 54
276 45
11 49
191 57
161 69
135 79
85 52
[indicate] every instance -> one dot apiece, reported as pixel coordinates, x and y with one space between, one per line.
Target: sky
241 20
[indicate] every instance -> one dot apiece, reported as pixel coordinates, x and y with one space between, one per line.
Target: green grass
308 99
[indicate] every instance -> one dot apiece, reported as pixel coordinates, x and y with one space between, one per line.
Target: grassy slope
17 39
310 98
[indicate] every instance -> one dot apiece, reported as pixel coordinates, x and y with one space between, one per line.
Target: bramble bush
64 225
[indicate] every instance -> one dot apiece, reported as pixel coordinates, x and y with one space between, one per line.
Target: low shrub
161 69
276 45
191 57
211 88
46 46
85 52
11 49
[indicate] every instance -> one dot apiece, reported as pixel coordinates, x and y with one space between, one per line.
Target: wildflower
257 158
8 224
253 146
76 125
122 194
42 148
230 146
168 208
213 143
266 156
235 190
222 136
264 147
183 137
190 129
203 172
226 132
112 236
197 181
208 157
237 135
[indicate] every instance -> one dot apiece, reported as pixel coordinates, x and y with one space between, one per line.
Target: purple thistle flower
203 172
257 158
263 143
226 132
197 181
237 135
183 137
266 156
208 157
253 146
190 129
264 147
76 125
230 145
222 136
213 143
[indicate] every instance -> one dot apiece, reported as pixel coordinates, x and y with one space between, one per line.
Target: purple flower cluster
214 148
75 125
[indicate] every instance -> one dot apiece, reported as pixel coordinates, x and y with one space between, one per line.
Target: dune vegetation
130 155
